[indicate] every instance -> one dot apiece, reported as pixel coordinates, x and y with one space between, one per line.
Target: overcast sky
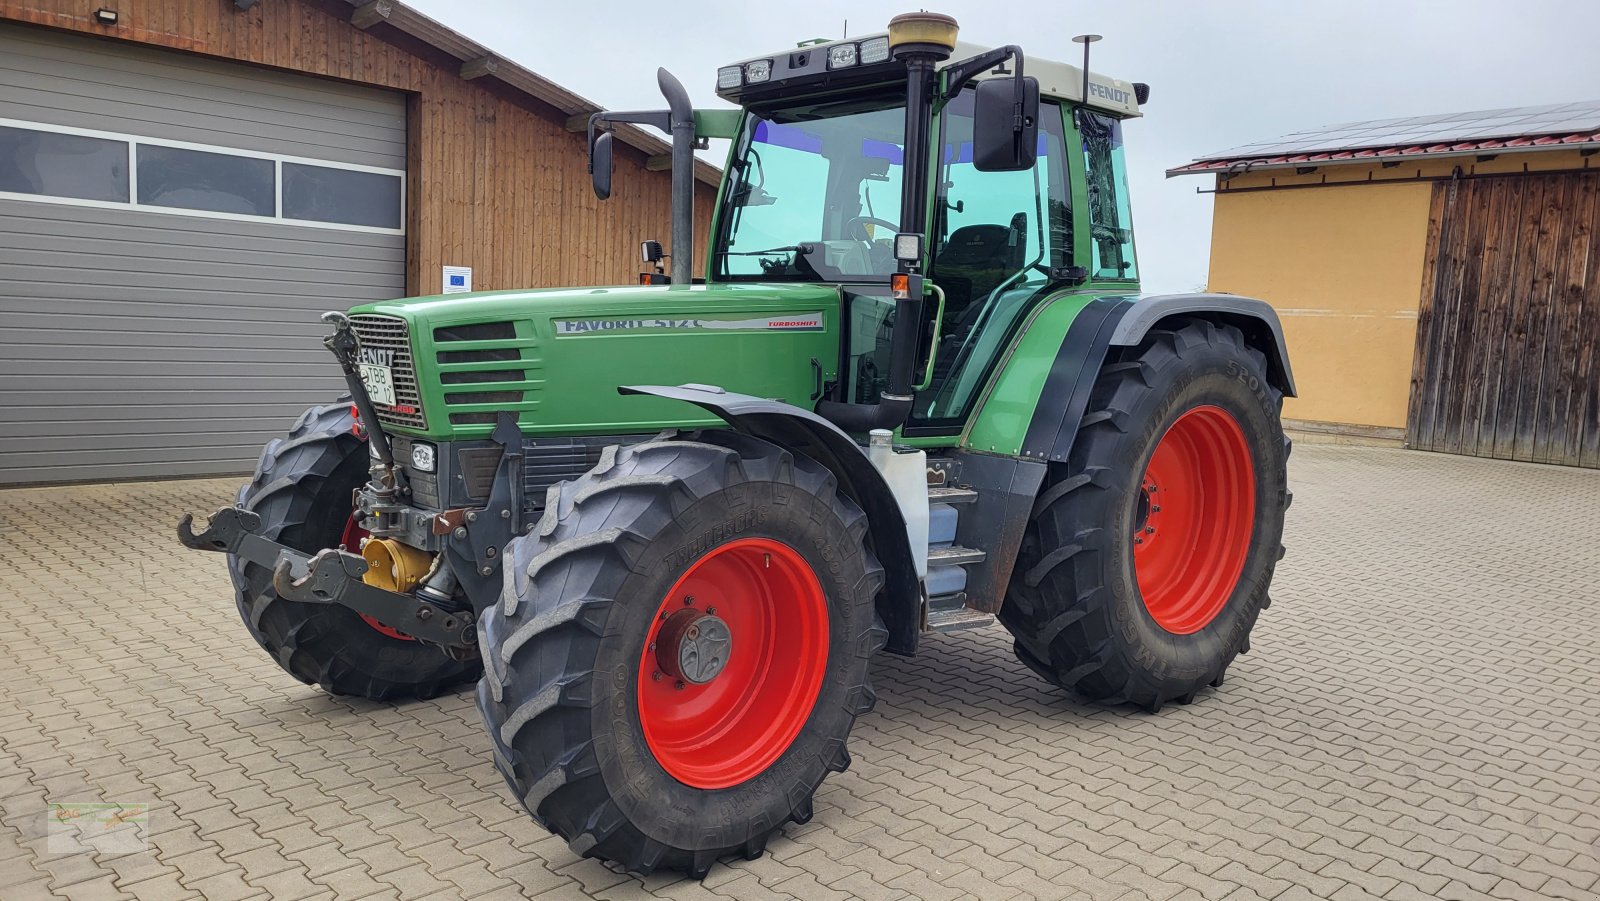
1221 73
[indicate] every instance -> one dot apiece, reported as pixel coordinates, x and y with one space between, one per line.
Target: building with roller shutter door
1438 278
185 185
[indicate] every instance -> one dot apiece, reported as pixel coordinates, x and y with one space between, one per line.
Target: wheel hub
693 646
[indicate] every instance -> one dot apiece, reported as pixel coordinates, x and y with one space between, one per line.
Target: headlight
842 55
423 456
758 71
729 77
875 50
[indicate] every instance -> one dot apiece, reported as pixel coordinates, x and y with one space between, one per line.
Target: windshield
814 193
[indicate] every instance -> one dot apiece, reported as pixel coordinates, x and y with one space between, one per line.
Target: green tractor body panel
1012 395
556 357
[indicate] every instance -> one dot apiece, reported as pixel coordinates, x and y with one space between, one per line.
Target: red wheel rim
730 727
351 541
1196 515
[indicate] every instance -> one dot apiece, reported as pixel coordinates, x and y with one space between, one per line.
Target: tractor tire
1149 553
302 491
680 650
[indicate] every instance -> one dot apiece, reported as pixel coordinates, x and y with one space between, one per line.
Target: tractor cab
977 181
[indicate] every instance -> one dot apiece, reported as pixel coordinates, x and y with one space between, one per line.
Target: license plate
380 383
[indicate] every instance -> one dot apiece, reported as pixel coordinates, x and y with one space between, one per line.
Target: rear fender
1256 318
1122 321
804 432
1106 323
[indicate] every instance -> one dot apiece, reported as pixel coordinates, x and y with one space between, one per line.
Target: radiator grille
391 333
482 379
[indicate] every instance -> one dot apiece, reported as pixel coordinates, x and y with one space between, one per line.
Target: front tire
1150 553
645 747
302 491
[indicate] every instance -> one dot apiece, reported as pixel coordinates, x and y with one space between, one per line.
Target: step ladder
947 574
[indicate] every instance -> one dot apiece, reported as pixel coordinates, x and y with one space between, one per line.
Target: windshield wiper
796 248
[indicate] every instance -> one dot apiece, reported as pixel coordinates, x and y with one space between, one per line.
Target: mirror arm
957 75
661 119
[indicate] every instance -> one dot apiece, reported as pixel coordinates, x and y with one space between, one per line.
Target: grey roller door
138 341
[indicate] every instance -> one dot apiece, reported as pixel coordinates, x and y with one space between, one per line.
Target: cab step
950 613
954 556
951 496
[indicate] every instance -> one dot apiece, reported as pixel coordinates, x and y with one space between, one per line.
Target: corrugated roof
478 61
1570 125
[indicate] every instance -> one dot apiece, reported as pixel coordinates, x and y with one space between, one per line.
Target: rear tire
1085 613
302 491
601 752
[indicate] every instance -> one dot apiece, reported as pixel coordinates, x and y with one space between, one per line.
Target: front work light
875 50
908 247
728 77
841 56
424 457
758 71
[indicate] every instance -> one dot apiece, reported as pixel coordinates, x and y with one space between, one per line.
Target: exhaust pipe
682 119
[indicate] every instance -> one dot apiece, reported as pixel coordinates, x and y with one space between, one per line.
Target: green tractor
668 526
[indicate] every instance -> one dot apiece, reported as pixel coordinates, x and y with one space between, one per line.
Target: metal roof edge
1256 164
479 61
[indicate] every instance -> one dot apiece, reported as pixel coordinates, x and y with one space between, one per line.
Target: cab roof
1058 80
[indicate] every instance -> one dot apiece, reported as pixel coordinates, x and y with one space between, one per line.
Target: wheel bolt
1155 509
652 645
678 685
1138 540
711 611
688 600
1149 530
655 676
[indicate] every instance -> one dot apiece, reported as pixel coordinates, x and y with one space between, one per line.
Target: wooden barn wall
496 182
1507 363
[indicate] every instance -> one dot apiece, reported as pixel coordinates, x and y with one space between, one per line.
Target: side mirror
600 165
997 144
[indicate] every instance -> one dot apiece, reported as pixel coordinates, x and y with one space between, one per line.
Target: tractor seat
974 262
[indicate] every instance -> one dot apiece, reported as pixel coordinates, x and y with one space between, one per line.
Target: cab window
1110 214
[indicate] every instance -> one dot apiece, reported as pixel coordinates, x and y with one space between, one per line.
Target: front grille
453 377
391 333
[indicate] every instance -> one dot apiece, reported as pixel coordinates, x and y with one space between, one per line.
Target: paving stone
1419 718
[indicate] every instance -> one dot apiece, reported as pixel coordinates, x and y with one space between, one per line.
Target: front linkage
331 576
470 539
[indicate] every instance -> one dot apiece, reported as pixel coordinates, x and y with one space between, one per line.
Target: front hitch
330 576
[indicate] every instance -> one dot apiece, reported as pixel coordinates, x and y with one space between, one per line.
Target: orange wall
1342 262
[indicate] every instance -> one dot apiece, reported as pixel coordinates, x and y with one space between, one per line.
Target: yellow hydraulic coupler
393 566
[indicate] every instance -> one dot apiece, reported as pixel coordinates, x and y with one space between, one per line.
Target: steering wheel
855 227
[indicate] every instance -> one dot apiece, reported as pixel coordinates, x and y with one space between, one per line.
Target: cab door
996 238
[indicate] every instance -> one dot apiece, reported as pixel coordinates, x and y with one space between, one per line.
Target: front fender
804 432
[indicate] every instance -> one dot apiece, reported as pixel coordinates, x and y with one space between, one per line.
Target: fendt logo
1106 92
376 356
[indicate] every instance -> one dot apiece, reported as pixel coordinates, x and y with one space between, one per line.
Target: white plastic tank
906 473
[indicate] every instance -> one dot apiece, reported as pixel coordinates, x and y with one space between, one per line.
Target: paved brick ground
1421 718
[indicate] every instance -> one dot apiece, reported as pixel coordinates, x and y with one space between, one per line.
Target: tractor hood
554 358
